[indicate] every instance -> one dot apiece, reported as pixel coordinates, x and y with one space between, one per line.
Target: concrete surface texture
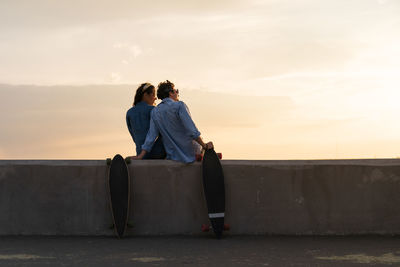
332 197
200 251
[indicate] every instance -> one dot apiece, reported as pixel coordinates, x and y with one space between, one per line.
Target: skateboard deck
214 190
119 188
199 157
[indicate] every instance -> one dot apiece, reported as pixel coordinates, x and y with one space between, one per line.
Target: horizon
262 79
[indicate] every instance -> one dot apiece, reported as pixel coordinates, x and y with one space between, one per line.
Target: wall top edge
367 162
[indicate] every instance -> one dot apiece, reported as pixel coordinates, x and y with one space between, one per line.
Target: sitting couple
163 131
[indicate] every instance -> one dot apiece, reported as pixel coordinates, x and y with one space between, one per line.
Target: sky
263 79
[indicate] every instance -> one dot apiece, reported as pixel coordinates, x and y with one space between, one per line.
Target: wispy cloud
135 50
265 127
132 51
115 77
73 115
334 74
120 45
49 14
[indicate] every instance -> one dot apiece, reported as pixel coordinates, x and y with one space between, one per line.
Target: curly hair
164 88
143 88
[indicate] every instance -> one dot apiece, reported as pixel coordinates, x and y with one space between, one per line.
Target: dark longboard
119 187
214 190
199 157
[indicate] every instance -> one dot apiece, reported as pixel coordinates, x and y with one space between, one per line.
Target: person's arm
140 156
189 125
151 137
207 146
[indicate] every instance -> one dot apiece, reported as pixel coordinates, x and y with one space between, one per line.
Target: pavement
200 251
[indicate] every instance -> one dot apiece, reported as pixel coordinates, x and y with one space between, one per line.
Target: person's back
171 119
174 122
138 121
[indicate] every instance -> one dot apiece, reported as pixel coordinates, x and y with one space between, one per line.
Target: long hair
142 89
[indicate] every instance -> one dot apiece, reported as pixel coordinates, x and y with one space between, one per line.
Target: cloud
40 119
135 50
64 121
115 77
120 45
50 14
222 41
363 73
225 110
89 122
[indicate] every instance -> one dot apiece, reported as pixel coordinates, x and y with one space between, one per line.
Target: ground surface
200 251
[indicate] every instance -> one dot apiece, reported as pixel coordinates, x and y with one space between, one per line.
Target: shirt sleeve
187 121
151 136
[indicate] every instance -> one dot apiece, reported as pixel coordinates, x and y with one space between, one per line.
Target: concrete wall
262 197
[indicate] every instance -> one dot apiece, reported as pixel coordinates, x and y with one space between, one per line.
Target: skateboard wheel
128 160
219 155
108 161
227 227
205 228
130 225
112 226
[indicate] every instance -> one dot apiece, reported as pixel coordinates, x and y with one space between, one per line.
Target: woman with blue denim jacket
138 121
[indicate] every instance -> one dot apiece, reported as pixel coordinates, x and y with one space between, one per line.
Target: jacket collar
167 99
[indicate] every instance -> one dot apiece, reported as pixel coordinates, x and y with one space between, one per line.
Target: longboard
214 191
199 157
119 189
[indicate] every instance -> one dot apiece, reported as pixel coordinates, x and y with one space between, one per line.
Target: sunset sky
263 79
